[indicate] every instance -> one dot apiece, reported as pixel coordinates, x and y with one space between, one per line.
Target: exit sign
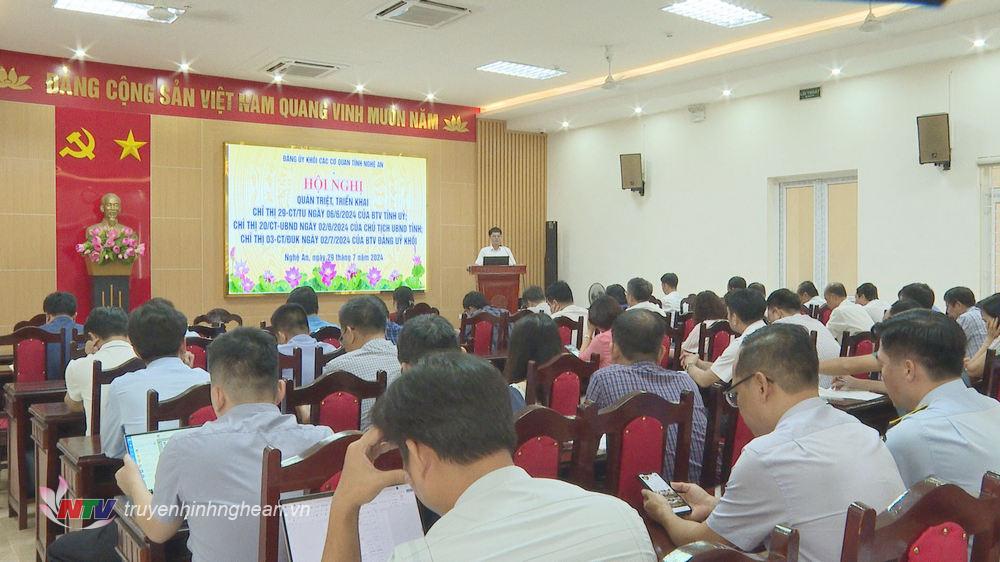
809 93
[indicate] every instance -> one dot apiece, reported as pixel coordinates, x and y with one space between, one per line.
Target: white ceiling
236 38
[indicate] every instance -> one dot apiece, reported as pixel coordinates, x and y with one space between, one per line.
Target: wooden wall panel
512 193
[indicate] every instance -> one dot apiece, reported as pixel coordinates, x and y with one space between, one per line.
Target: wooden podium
500 283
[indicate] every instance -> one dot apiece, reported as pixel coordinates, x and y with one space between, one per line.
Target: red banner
96 86
99 152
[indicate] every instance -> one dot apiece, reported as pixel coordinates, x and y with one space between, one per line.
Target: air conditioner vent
302 68
421 13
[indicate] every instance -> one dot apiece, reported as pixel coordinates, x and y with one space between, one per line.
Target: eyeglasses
731 393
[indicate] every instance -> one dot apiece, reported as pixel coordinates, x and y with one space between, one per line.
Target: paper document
863 395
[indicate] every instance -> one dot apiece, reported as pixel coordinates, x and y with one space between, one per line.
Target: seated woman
534 338
600 317
402 298
708 309
617 292
990 309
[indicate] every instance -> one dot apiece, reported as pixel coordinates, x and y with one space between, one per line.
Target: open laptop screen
145 449
496 260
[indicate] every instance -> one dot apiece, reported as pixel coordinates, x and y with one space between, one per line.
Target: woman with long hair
534 338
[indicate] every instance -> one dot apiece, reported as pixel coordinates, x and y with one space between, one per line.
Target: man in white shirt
291 328
560 299
496 249
806 466
746 316
867 296
845 316
809 295
107 328
637 294
534 300
951 430
783 307
451 419
671 298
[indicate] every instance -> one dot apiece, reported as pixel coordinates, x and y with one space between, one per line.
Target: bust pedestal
109 284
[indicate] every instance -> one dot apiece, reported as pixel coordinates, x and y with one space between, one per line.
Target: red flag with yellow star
100 152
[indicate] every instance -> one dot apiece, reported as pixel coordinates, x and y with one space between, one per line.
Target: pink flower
247 285
112 234
95 241
416 260
374 276
98 247
141 250
130 242
394 275
268 276
128 231
95 257
293 276
95 231
352 271
129 252
328 269
242 269
232 252
80 248
117 249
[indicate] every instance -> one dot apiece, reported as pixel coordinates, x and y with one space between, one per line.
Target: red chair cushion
29 361
824 315
566 335
941 543
642 443
863 348
742 436
333 341
4 423
331 484
720 343
340 411
202 415
565 394
482 338
688 327
666 360
539 457
200 359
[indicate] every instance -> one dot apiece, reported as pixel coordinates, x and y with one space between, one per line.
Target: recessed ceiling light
637 109
716 12
121 9
184 67
278 79
565 124
359 88
79 53
727 92
979 43
836 71
521 70
430 96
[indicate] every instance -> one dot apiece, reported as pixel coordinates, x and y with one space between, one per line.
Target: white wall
709 212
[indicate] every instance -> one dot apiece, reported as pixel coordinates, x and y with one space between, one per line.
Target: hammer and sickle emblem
84 150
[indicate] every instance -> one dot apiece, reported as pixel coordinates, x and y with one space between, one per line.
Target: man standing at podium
496 249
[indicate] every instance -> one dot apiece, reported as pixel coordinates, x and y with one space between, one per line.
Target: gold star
130 147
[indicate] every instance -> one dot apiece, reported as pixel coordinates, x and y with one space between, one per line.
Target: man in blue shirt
59 308
307 299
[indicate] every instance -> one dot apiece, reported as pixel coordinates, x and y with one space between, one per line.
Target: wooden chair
542 436
268 329
419 309
673 339
335 399
293 363
933 520
78 348
989 384
322 359
328 334
35 321
656 301
783 547
481 331
189 408
308 471
208 332
717 462
199 348
560 383
812 310
568 327
714 339
30 352
637 427
218 316
519 315
99 378
823 314
862 343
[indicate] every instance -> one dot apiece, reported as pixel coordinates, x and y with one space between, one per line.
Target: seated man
920 292
534 300
59 309
671 298
807 464
107 330
735 283
867 296
560 299
156 330
368 352
809 295
746 316
219 463
452 422
845 316
951 430
392 328
475 302
637 339
292 332
960 305
759 287
783 307
637 294
305 297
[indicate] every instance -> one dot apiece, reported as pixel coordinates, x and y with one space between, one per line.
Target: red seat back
29 361
202 415
543 434
482 338
333 341
742 436
340 411
565 334
720 342
642 444
200 357
688 327
565 393
539 457
824 315
946 541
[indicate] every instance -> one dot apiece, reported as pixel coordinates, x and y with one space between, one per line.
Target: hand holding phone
655 483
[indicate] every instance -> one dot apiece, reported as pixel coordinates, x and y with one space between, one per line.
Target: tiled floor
15 545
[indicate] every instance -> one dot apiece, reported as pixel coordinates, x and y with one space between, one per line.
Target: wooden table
18 397
88 473
876 413
49 423
133 546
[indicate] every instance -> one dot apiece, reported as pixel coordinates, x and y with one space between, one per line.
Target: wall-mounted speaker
934 138
551 252
631 165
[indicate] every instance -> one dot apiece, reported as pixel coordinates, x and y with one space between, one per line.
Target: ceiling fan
871 23
609 83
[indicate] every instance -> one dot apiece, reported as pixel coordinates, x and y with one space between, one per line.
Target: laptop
496 260
384 523
145 449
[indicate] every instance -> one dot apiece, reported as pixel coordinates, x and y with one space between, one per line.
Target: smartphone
655 483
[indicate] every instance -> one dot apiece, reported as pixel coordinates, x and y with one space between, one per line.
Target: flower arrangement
324 276
111 246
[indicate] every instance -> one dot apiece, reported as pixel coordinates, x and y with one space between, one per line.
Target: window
990 181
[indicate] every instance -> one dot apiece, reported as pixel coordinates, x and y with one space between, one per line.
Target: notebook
384 523
145 449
